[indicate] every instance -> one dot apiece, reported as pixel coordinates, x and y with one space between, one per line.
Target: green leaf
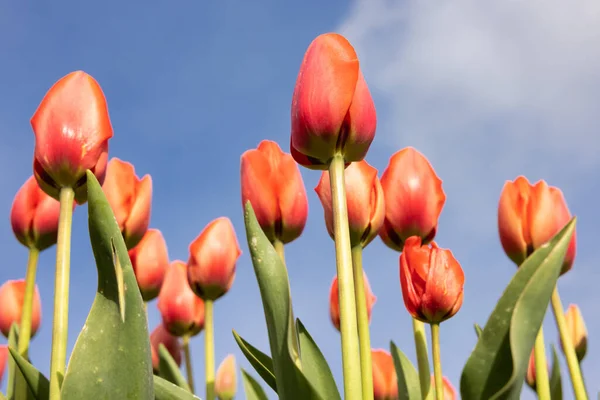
555 379
38 384
169 369
408 377
111 358
497 365
252 388
13 342
478 330
315 367
261 362
165 390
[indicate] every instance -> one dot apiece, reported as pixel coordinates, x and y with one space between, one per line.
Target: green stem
362 314
568 349
61 293
209 349
348 329
542 382
278 244
422 359
437 362
188 362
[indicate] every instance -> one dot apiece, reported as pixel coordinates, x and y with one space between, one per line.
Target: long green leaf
252 388
556 392
38 384
165 390
111 358
169 370
408 377
13 341
261 362
497 365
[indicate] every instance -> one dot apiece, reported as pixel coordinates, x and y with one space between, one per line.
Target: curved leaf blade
261 362
38 384
169 370
165 390
252 388
478 330
408 378
13 342
556 392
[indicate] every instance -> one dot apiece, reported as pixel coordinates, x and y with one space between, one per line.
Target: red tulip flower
150 261
12 295
385 381
3 360
172 343
334 301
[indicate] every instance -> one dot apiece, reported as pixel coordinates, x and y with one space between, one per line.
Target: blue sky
486 92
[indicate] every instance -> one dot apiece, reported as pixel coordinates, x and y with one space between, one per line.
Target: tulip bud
150 261
432 281
72 129
213 254
414 199
530 377
130 199
3 360
181 310
332 109
226 380
34 216
272 182
334 300
172 343
577 330
449 390
364 198
12 295
529 216
385 381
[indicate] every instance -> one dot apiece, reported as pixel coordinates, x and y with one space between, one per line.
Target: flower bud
12 295
272 182
449 390
332 109
72 128
172 343
530 377
529 216
3 360
364 197
213 255
150 261
226 380
432 281
414 199
181 310
334 300
34 216
577 330
385 381
130 199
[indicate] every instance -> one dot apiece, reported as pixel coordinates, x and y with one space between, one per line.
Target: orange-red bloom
34 216
272 182
531 377
181 310
130 199
172 343
414 199
449 390
432 281
213 255
226 379
529 216
12 295
72 128
364 197
3 360
334 300
150 261
332 109
577 330
385 386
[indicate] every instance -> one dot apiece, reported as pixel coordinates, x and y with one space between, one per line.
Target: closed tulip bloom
364 197
432 281
531 377
449 390
226 379
213 255
130 199
150 261
72 128
332 109
529 216
34 216
12 295
385 381
272 182
414 199
577 330
181 310
172 343
3 360
334 300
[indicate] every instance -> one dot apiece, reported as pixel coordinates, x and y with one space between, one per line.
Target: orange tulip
577 330
432 281
449 390
34 216
3 360
172 343
130 199
332 109
181 310
213 255
150 261
529 216
226 380
72 128
12 294
385 386
334 301
414 199
364 197
272 182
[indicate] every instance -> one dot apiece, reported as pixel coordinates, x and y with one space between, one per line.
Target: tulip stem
209 350
568 349
542 382
343 253
437 362
278 245
422 359
363 324
188 362
60 323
